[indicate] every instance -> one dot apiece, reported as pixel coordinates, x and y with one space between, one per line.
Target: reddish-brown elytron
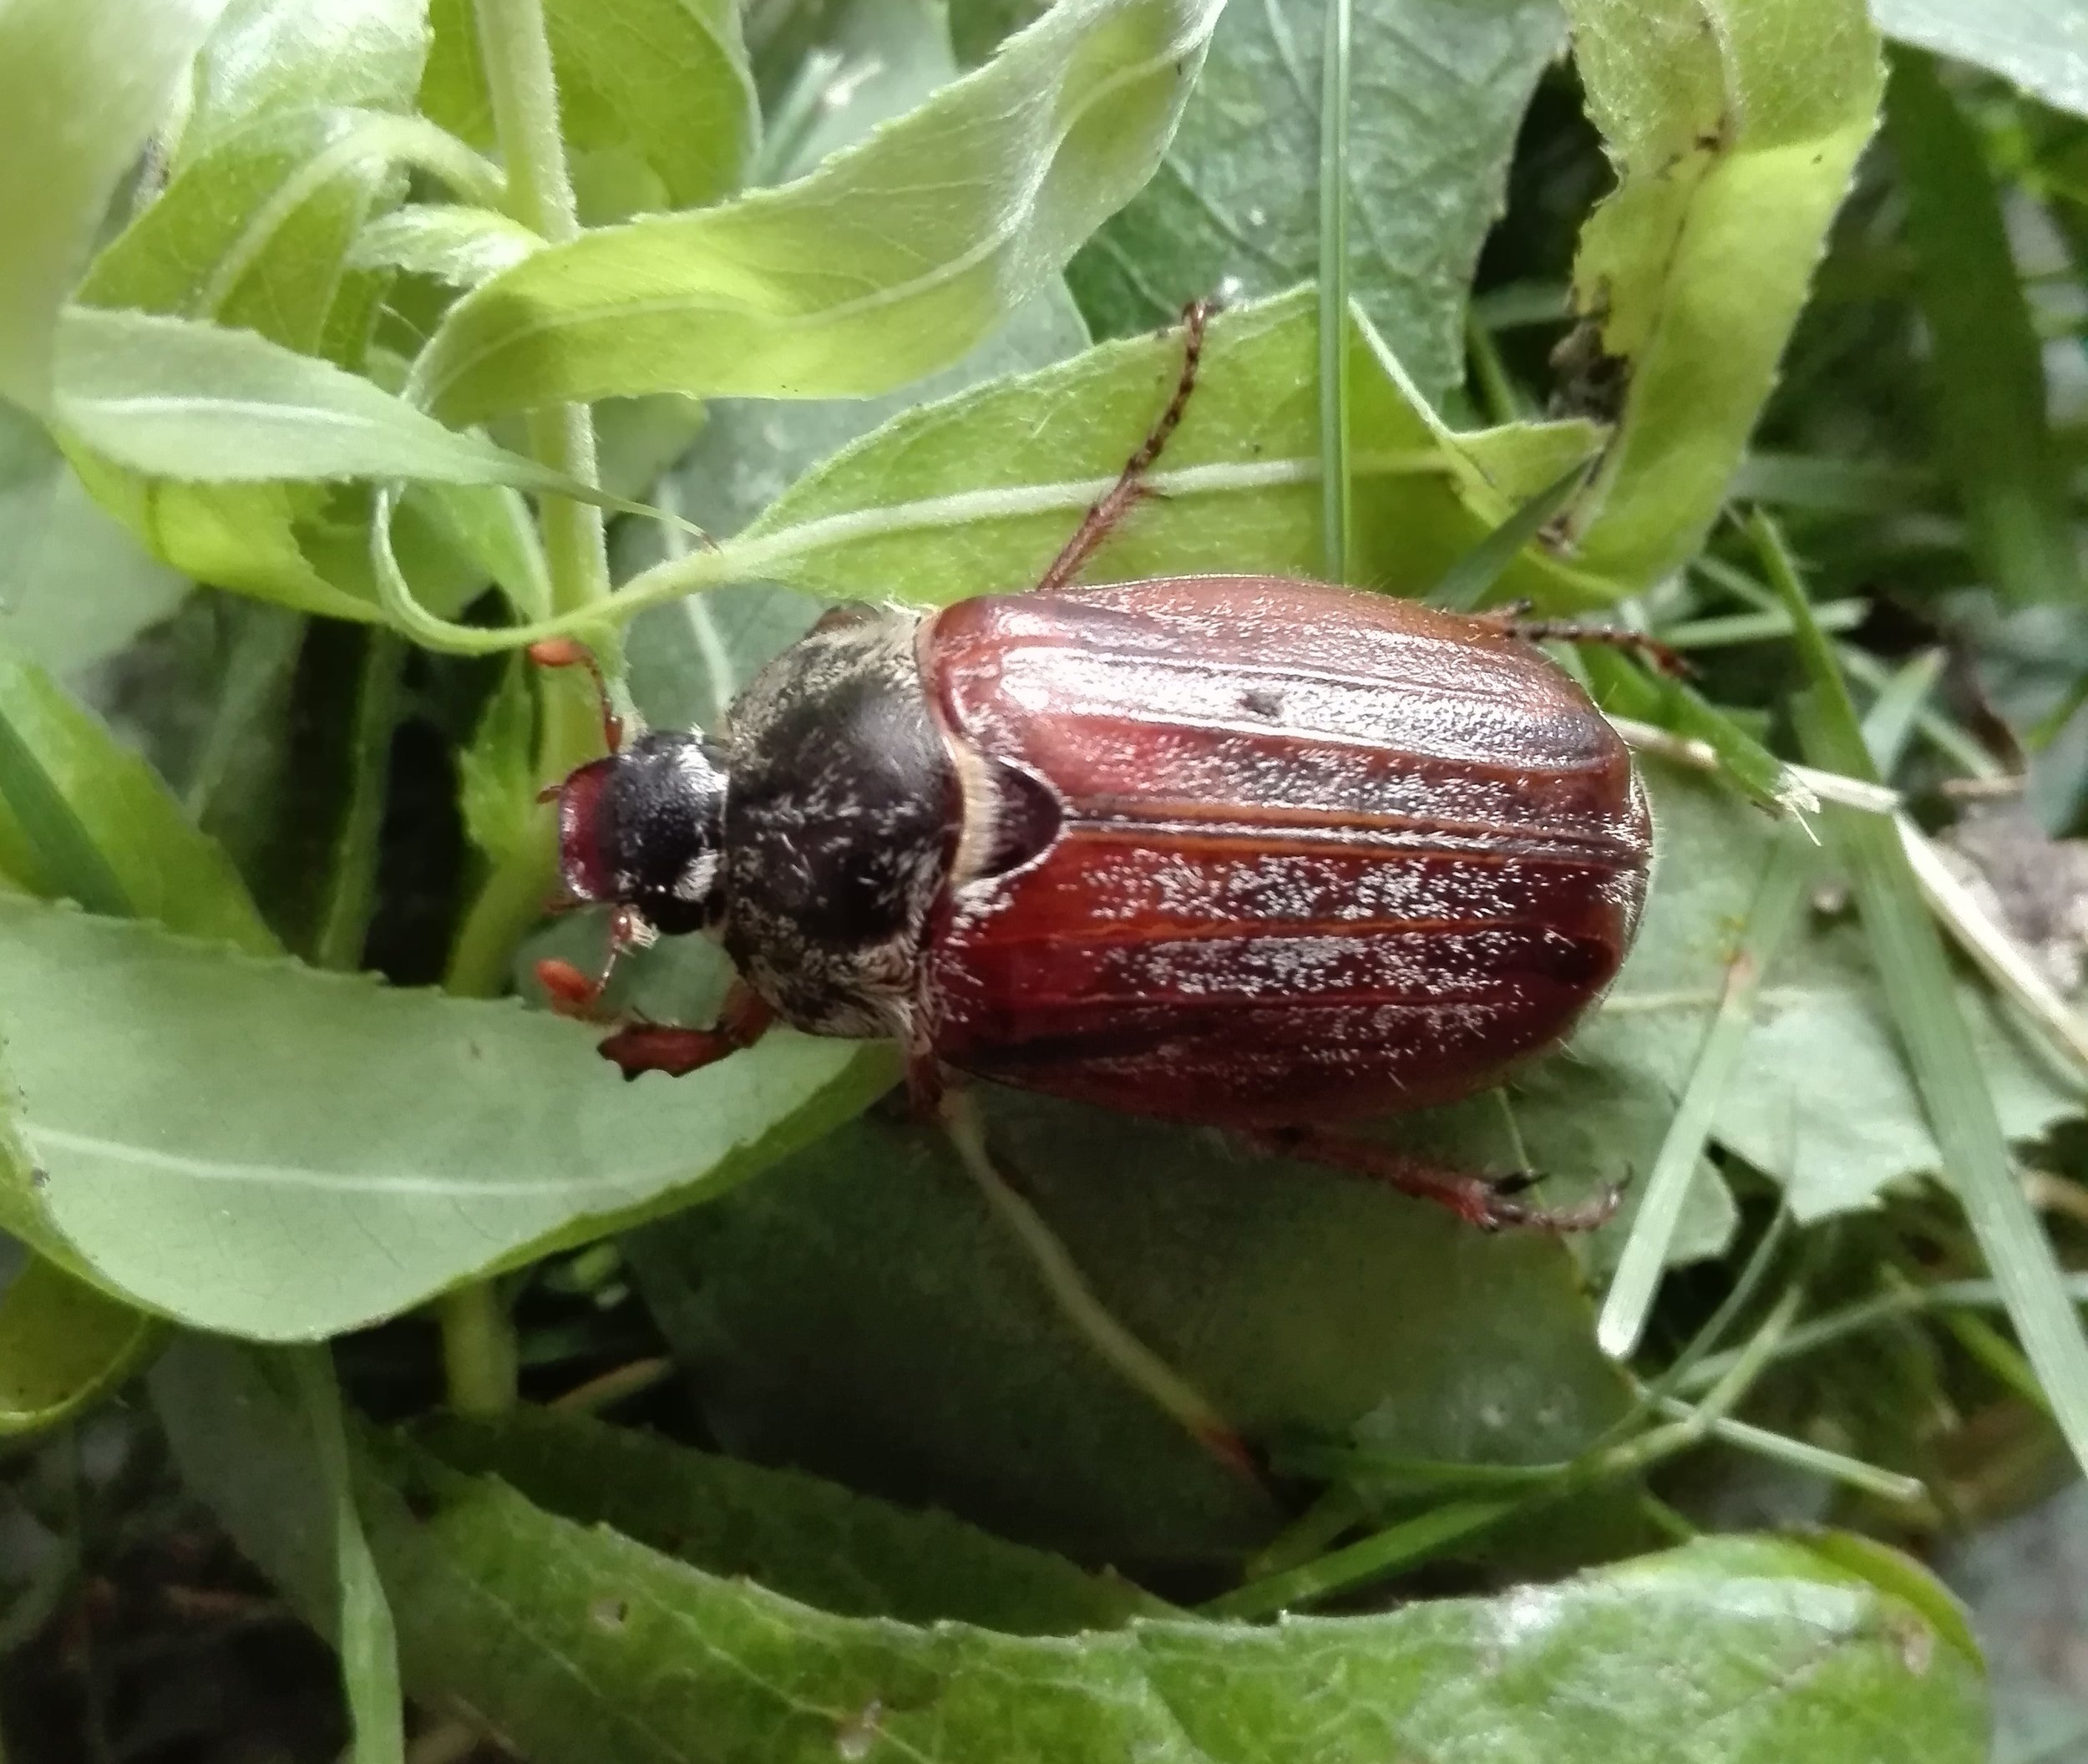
1259 853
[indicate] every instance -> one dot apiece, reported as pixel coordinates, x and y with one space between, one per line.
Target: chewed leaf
261 1149
889 261
1734 125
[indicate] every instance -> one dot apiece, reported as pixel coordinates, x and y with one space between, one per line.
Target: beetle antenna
1103 516
570 652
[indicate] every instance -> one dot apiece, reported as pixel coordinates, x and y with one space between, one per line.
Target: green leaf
889 261
83 816
1986 367
809 1540
293 140
180 399
574 1642
81 87
977 494
496 775
451 241
265 1150
664 83
75 587
1819 1096
63 1346
860 1312
1438 87
2040 44
1734 125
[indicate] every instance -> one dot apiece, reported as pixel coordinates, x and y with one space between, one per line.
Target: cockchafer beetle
1255 852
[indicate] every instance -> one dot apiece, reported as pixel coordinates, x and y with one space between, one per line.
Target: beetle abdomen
1321 852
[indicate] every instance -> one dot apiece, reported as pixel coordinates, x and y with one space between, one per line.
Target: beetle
1267 855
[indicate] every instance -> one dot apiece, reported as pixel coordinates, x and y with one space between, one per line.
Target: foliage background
1668 333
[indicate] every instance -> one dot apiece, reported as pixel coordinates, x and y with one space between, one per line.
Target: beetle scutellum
1240 850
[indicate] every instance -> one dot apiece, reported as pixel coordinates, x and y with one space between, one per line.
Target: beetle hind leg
1515 621
1103 516
1490 1203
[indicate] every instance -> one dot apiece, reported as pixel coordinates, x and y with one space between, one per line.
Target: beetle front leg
1103 515
1489 1204
640 1046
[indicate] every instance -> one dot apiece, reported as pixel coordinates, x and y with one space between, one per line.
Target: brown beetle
1261 854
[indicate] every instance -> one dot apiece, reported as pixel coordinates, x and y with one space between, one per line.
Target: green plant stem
1335 491
344 920
479 1350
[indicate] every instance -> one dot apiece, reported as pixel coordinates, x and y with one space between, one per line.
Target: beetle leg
640 1047
567 652
1103 516
1514 622
1488 1204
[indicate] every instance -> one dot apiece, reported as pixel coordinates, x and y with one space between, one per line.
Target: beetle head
645 828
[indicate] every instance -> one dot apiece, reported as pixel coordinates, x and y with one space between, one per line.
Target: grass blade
1919 991
363 1632
1639 1269
1464 585
1334 292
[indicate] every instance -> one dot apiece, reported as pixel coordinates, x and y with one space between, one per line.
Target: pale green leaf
454 243
576 1643
890 260
63 1345
1734 125
265 1150
182 399
1437 91
81 87
2042 45
977 494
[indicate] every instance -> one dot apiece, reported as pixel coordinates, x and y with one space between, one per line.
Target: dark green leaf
809 1540
1438 87
576 1644
1985 367
860 1311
